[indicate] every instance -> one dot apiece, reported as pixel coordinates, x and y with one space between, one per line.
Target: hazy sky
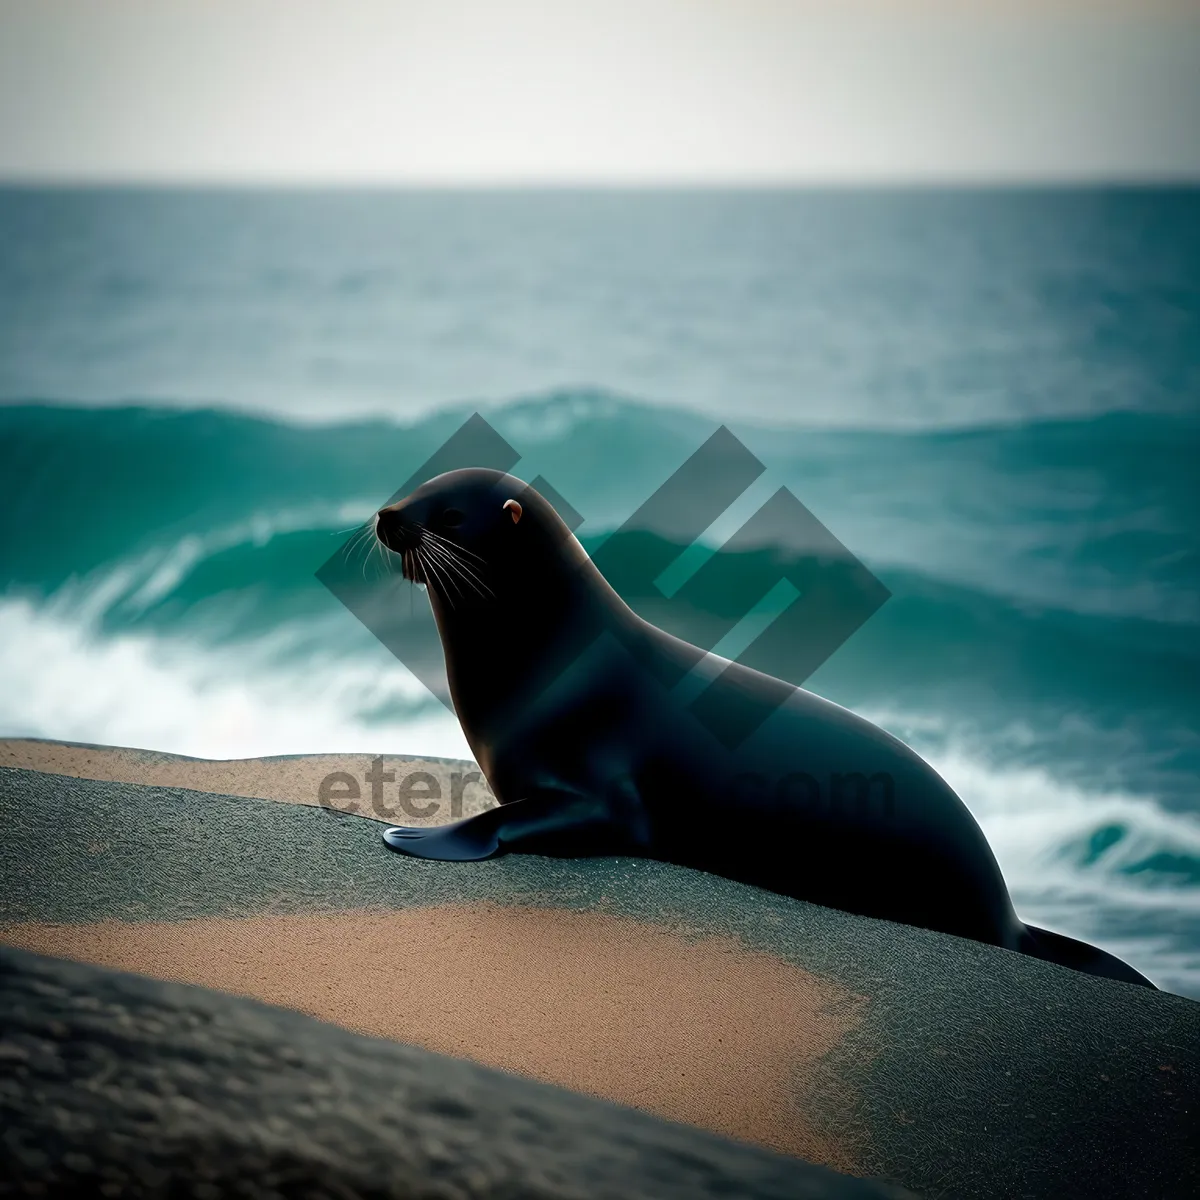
598 90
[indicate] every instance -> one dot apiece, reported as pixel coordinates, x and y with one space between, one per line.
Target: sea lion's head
479 539
514 594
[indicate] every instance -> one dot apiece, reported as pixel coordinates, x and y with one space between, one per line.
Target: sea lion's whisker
419 566
385 556
359 540
446 583
366 556
454 552
461 569
467 572
376 546
472 575
365 530
430 570
438 554
437 537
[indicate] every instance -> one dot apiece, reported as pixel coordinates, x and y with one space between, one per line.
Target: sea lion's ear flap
513 507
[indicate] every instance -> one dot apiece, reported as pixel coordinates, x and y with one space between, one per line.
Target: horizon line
947 182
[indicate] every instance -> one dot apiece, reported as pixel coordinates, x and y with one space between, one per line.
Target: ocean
991 397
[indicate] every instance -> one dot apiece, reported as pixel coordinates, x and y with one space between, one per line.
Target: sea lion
579 714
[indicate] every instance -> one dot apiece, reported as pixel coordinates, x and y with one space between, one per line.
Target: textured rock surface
970 1072
117 1085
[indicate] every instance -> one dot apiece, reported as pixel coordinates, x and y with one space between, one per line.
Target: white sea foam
1041 829
62 680
1041 825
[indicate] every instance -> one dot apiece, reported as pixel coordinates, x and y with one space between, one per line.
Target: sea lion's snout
395 531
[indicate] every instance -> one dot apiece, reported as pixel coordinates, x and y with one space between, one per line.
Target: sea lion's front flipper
468 840
552 822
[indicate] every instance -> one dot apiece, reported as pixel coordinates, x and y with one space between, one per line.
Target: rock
117 1085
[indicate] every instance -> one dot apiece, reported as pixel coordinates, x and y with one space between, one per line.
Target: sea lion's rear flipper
1069 952
548 822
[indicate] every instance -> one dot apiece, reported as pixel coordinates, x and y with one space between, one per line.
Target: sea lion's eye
451 518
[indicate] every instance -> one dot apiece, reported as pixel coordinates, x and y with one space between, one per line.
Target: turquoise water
992 398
